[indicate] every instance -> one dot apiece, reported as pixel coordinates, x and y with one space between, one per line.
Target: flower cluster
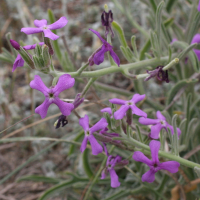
103 128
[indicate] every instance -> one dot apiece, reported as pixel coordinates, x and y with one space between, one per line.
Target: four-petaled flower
96 147
113 161
119 114
19 62
154 164
159 73
98 56
106 20
196 39
46 29
51 94
158 124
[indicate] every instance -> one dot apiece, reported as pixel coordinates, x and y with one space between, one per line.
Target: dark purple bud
15 44
78 100
159 73
106 20
129 116
62 121
162 75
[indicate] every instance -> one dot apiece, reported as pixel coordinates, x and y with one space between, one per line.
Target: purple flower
51 94
96 147
154 164
19 62
98 56
199 7
113 161
106 20
119 114
46 29
158 124
107 110
196 39
159 73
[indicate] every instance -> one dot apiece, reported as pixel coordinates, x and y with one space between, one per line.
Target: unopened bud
78 100
15 44
47 41
26 57
38 50
45 55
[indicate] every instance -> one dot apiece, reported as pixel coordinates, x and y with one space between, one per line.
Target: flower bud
45 55
15 44
26 57
78 100
48 43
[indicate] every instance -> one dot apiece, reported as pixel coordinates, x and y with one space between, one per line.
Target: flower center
162 122
51 95
155 165
45 27
129 103
87 133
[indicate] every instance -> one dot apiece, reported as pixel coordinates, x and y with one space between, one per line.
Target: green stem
90 82
113 69
182 161
168 66
80 70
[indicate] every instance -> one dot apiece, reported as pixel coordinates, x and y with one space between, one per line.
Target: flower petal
29 47
149 176
199 7
119 114
65 108
155 130
171 166
84 144
96 147
115 57
99 56
154 147
140 157
137 97
64 82
31 30
19 62
160 116
114 179
58 24
42 109
40 23
196 38
38 84
107 110
98 34
103 173
84 122
147 121
117 101
137 111
102 123
49 34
